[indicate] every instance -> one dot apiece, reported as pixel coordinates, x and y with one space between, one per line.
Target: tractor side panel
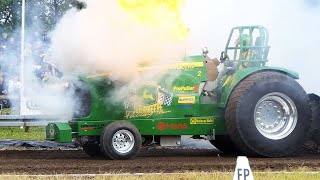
168 106
204 125
173 95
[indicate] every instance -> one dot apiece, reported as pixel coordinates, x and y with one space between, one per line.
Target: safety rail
30 120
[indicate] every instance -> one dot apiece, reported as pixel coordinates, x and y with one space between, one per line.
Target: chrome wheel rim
123 141
275 116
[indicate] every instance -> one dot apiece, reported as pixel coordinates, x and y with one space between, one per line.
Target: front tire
268 114
120 140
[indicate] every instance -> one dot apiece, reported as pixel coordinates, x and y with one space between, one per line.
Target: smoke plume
118 37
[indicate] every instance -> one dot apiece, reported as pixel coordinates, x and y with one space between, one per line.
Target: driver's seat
258 52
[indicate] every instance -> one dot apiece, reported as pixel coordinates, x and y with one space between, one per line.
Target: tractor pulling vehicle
247 108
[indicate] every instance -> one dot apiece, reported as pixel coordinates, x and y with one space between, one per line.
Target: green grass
181 176
35 133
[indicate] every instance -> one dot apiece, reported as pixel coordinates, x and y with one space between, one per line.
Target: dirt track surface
148 161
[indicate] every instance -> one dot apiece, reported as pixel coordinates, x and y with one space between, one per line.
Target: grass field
181 176
35 133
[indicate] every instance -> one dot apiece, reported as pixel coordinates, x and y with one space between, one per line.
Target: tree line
40 14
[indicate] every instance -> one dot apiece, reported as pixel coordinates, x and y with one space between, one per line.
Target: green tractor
247 108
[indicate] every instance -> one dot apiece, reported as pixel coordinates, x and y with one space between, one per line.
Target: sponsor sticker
191 65
185 106
164 126
194 88
86 127
186 99
201 120
146 101
146 111
176 66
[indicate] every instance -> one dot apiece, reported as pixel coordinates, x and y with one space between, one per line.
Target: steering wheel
224 56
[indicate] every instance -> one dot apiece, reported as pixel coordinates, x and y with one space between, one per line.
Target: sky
294 27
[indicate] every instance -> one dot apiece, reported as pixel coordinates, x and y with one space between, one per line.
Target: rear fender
231 82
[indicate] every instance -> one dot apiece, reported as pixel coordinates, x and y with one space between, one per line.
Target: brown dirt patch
148 161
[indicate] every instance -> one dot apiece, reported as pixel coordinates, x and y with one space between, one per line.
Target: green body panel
181 126
151 116
60 132
171 103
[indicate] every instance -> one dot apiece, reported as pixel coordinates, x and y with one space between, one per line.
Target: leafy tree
40 14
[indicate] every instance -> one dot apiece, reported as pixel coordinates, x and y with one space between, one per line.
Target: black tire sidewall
315 124
92 150
106 140
224 144
245 117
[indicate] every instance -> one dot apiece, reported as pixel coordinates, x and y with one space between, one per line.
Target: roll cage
256 50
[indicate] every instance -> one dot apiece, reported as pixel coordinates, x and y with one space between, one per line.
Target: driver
211 66
208 88
246 54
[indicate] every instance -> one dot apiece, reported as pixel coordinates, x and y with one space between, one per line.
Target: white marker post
243 170
23 13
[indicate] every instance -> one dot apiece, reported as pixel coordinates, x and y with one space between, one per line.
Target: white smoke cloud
104 38
293 26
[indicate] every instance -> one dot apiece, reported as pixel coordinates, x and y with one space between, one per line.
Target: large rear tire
315 124
120 140
92 150
268 114
312 143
